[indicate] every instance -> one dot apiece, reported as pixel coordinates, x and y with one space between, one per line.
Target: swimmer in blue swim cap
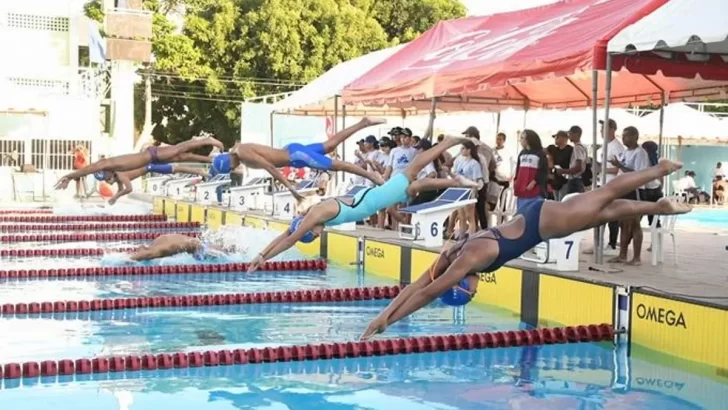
173 244
452 277
314 156
123 179
337 211
151 155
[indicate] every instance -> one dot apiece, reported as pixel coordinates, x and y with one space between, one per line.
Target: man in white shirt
719 171
399 160
505 164
633 159
577 163
614 151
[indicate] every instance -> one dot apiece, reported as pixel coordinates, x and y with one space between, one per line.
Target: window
55 154
37 22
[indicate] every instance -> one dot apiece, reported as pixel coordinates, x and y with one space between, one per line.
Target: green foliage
94 10
229 50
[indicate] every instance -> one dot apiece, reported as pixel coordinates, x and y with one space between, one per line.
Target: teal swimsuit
368 202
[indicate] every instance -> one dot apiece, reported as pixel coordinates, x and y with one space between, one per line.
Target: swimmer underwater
367 202
453 277
313 156
173 244
131 162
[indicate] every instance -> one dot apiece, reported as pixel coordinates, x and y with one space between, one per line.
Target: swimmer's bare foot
634 262
668 167
369 121
667 206
617 259
465 182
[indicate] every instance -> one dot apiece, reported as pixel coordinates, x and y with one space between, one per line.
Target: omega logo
375 252
488 278
662 316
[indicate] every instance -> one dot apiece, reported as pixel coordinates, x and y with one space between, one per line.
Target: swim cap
455 296
100 176
221 163
308 237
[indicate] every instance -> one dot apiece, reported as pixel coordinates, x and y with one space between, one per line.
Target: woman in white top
468 166
634 158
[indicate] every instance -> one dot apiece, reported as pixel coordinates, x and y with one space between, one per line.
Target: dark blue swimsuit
509 249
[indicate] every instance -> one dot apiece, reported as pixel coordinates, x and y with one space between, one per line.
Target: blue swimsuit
509 249
311 156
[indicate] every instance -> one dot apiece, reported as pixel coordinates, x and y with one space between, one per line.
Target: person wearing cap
396 134
400 159
106 169
488 166
560 155
614 150
370 156
314 156
577 163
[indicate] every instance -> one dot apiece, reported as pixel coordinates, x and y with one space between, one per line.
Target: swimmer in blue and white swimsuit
123 179
454 276
296 155
152 155
367 202
173 244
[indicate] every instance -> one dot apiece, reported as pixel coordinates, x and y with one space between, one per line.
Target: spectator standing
560 152
653 189
448 159
399 159
531 169
718 171
468 165
80 160
633 159
487 165
577 163
615 149
360 162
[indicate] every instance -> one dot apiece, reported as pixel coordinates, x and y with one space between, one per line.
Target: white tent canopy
317 98
679 25
683 121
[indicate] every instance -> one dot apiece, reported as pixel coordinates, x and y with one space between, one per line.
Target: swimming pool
584 375
714 219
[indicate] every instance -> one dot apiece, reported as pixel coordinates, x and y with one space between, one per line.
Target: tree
230 50
405 20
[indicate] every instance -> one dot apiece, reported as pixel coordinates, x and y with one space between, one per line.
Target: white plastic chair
667 227
505 209
679 192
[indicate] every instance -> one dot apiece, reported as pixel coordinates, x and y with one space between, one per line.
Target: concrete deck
701 271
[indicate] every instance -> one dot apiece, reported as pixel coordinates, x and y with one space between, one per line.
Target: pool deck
701 271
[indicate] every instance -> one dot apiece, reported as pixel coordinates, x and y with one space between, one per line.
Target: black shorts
650 195
425 197
631 195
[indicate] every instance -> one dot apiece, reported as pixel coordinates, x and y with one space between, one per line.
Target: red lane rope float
61 253
335 350
315 264
289 296
83 218
86 237
25 211
100 227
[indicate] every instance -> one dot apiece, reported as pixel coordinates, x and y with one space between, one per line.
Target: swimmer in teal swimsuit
123 179
130 162
173 244
313 156
367 202
453 277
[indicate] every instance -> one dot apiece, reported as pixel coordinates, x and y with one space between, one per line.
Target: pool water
576 376
716 219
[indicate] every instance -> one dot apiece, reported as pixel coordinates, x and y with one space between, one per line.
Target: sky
483 7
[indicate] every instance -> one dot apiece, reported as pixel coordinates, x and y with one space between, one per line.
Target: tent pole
660 138
335 125
272 140
599 230
497 122
431 123
598 247
343 144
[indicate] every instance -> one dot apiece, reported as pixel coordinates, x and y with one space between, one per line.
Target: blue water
580 376
716 219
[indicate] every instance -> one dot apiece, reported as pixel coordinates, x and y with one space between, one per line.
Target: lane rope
311 352
554 357
88 237
83 218
314 264
144 302
60 253
100 227
25 211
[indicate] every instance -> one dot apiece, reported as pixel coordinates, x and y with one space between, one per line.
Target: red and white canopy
540 57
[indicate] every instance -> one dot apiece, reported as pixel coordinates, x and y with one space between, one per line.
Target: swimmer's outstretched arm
421 296
125 188
285 241
146 254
